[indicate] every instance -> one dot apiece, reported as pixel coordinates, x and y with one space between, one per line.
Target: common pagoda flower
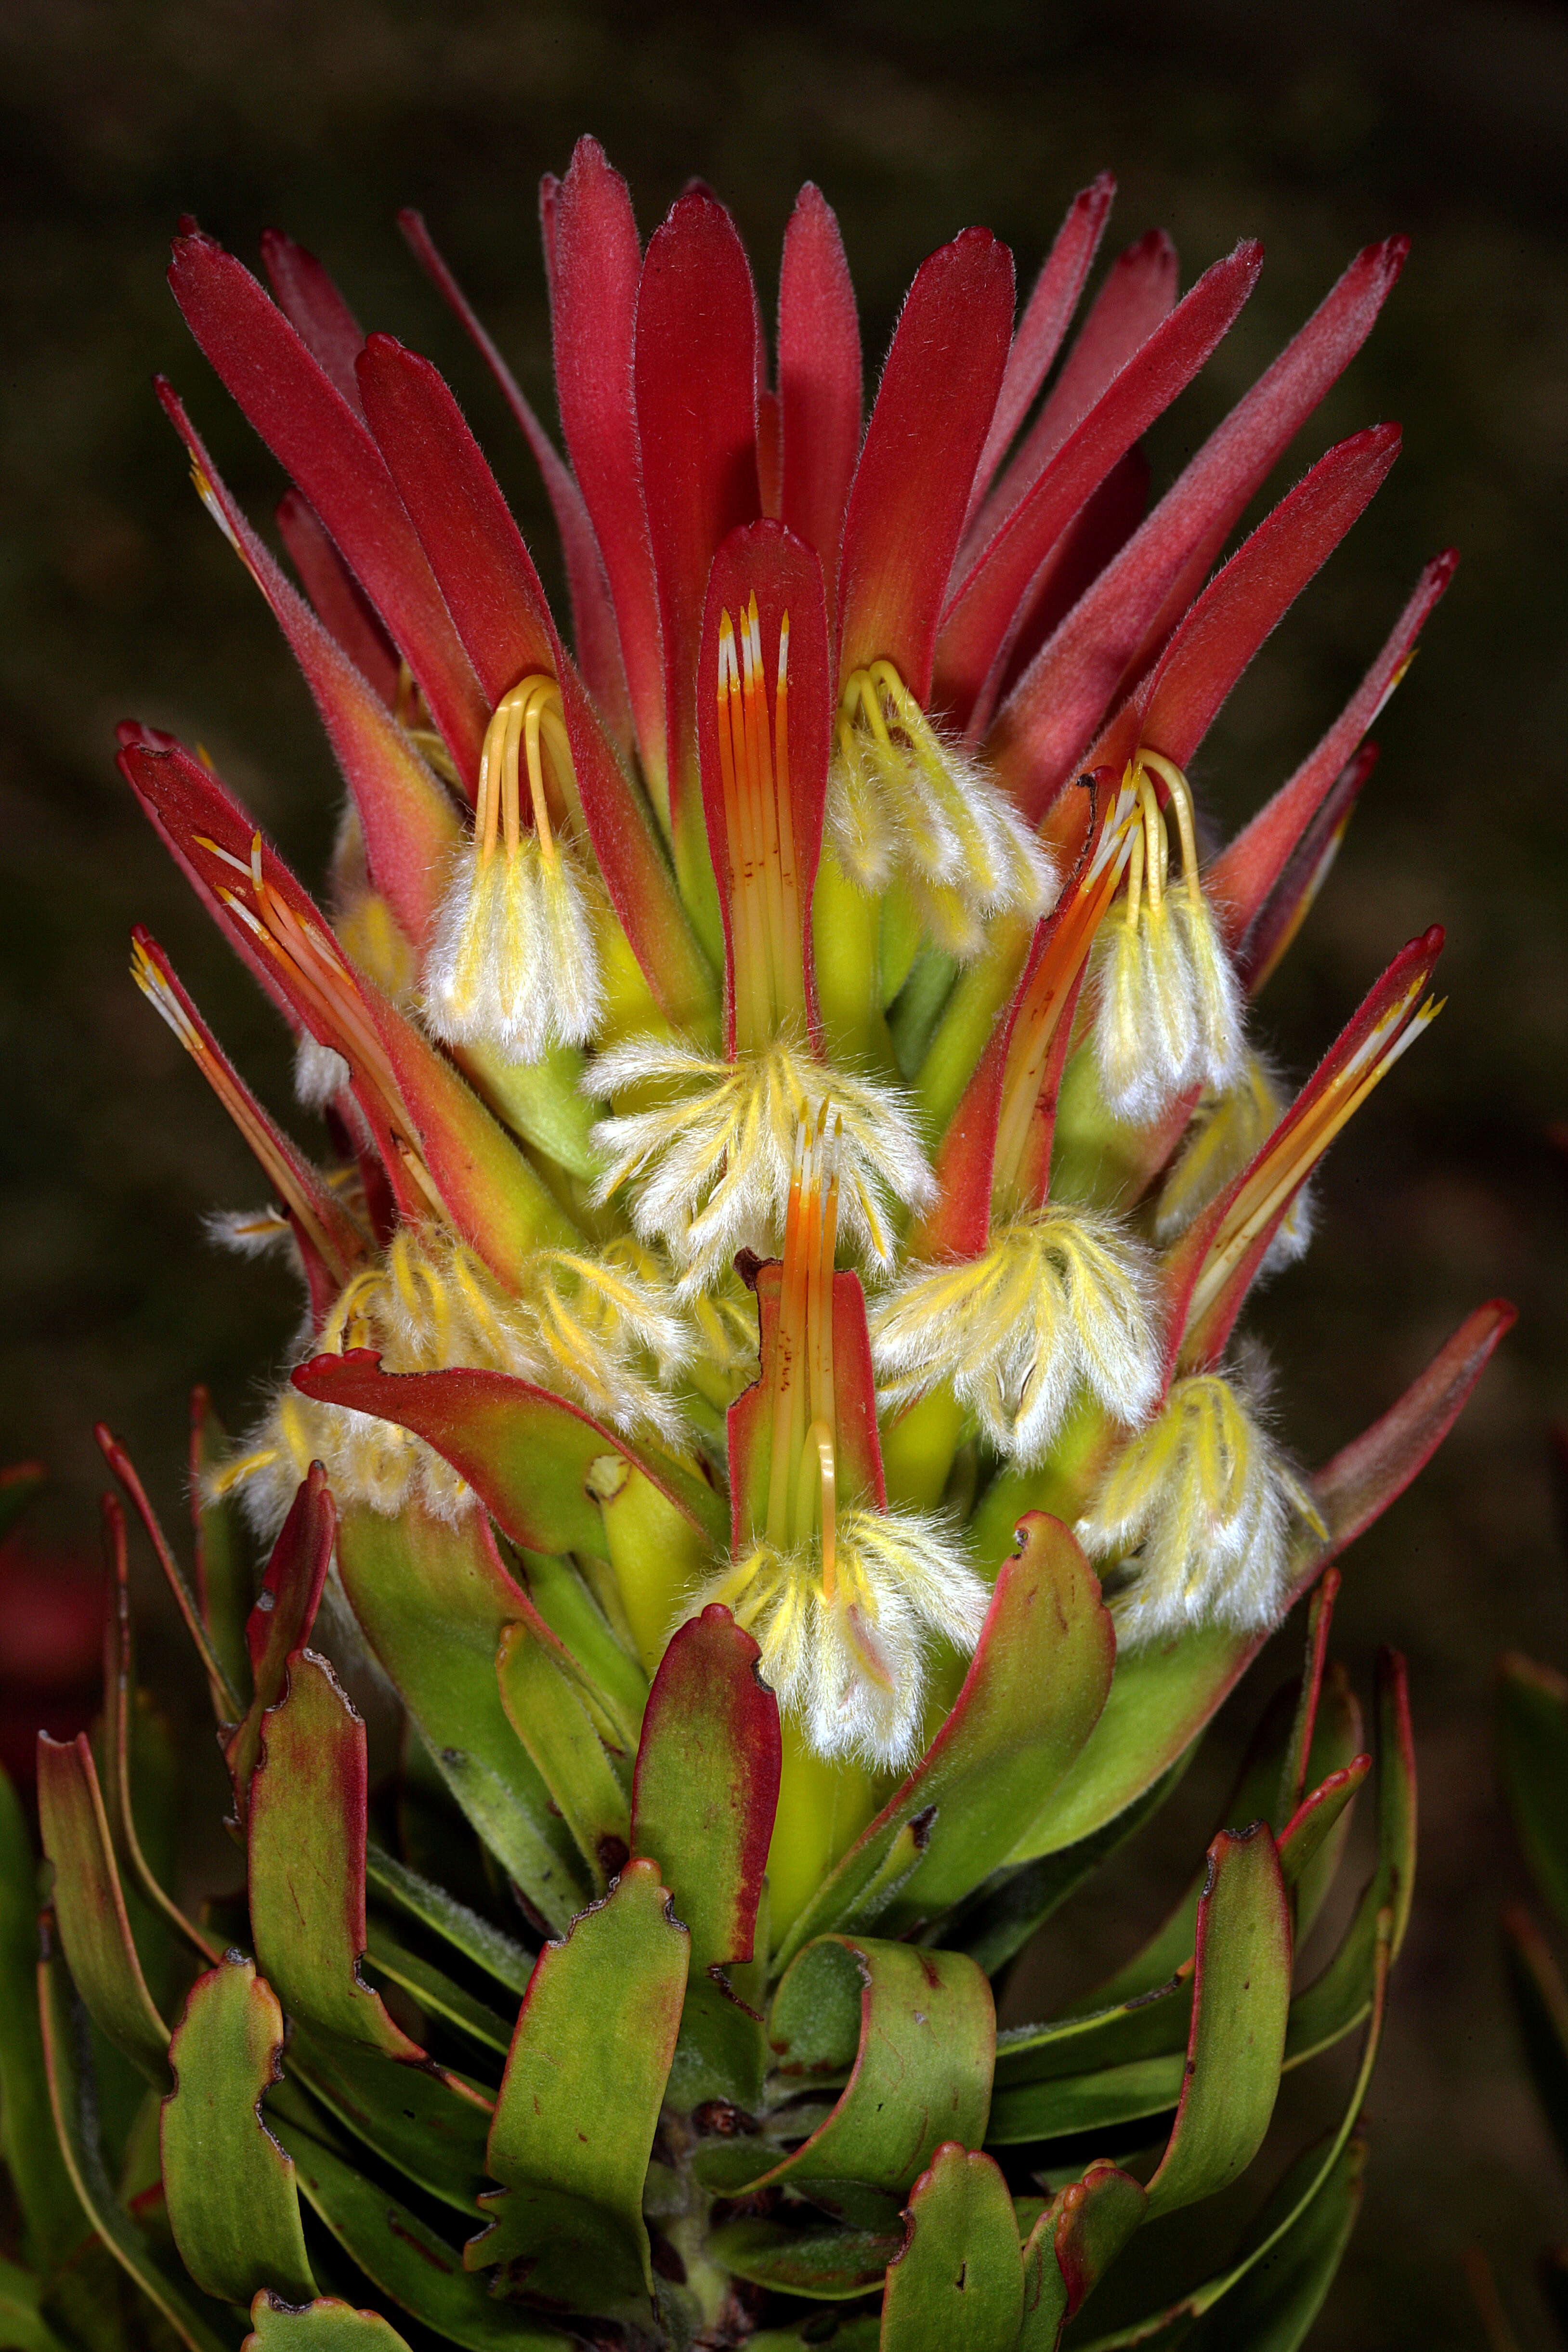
796 1154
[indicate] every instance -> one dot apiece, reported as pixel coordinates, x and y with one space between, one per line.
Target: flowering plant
769 1403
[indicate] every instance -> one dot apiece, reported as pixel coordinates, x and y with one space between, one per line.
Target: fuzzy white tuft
513 963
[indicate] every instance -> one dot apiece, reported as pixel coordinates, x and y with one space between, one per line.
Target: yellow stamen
765 883
524 724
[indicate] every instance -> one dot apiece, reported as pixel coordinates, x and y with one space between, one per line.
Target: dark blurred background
1317 129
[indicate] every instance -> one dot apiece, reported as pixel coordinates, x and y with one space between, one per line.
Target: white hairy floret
1228 1132
1198 1507
1059 1300
709 1168
1168 1008
513 963
851 1667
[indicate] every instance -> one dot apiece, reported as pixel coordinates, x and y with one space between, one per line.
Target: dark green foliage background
1317 129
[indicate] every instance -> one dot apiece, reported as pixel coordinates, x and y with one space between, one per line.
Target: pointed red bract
340 604
595 262
1051 715
593 615
1093 540
695 364
1047 316
976 625
1174 708
1299 878
315 309
819 381
291 1586
1139 291
1246 872
311 430
932 412
409 830
767 561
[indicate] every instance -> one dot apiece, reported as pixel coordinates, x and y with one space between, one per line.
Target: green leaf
1273 2307
407 2259
1541 2000
1532 1748
959 2282
572 1614
536 1681
324 2325
202 2325
433 1991
1240 1999
23 2328
920 2055
1045 2289
225 1584
90 1906
431 1601
1144 2026
281 1620
828 2266
307 1843
486 1945
424 2120
229 2184
51 2209
1059 2107
1309 1831
1029 1701
579 2105
704 1800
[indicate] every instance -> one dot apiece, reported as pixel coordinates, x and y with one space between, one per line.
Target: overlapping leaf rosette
770 1408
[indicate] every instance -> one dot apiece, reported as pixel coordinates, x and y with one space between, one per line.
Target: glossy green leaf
477 1940
22 2326
325 2325
1314 1825
281 1620
920 2058
407 2259
704 1798
1029 1701
431 1601
434 1991
1095 2218
526 1454
229 2184
1060 2108
1144 2026
51 2210
828 2266
1532 1749
1240 2000
579 2105
424 2120
550 1719
307 1842
1273 2307
202 2325
610 1673
1540 2002
1295 1776
225 1587
1045 2289
90 1906
1338 1739
959 2281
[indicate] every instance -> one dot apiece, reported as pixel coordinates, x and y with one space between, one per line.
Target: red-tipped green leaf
819 379
316 311
526 1453
420 2120
1240 1999
593 616
959 2280
306 1844
313 432
977 623
225 1698
226 1579
1053 712
432 1601
91 1905
579 2105
1043 327
537 1683
707 1784
916 2031
281 1620
327 2324
932 412
595 263
228 2185
1094 2219
1029 1701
